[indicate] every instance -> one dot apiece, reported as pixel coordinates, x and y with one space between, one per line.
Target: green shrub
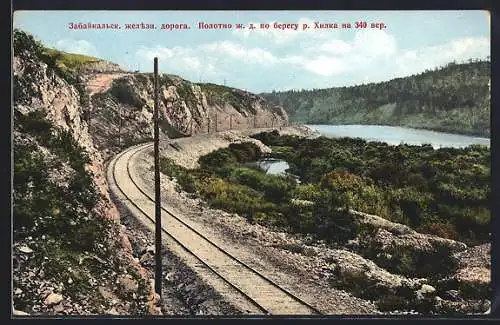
41 206
185 179
310 192
246 151
232 197
35 123
219 158
276 188
26 43
440 229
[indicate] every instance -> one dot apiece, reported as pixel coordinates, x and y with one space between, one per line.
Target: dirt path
98 83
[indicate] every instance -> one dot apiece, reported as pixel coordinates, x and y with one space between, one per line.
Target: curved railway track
264 294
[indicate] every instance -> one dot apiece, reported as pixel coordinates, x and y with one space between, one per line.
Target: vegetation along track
262 293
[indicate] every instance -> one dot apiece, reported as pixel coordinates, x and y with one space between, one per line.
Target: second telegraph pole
158 262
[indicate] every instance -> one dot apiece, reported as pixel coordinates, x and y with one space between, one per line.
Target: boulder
53 299
59 307
364 278
427 289
147 258
112 311
411 254
25 250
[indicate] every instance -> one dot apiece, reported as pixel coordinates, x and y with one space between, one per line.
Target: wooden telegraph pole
119 127
216 129
158 262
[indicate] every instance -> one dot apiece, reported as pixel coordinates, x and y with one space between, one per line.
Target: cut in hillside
71 253
122 115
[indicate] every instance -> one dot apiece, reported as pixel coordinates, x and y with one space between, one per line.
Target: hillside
121 115
454 98
77 62
72 252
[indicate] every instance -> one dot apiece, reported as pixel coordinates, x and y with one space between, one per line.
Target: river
395 135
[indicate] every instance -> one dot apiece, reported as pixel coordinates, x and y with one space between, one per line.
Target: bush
245 152
412 203
440 229
42 206
216 159
184 178
235 153
355 192
233 197
276 188
335 225
24 42
309 192
271 219
35 123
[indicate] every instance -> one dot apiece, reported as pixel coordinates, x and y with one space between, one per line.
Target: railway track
263 294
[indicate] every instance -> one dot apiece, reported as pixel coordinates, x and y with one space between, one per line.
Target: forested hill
454 98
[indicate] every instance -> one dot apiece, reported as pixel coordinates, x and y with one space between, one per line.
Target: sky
267 59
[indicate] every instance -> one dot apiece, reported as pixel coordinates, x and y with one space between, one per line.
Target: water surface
273 166
395 135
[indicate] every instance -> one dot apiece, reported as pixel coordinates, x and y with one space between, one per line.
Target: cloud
77 46
238 51
320 65
369 56
176 59
416 60
374 55
335 56
374 43
336 47
325 66
211 60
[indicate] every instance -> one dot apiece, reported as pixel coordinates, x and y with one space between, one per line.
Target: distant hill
454 98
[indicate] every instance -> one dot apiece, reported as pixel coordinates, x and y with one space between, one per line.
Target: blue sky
262 60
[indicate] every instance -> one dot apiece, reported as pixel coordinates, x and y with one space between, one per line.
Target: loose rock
52 299
26 250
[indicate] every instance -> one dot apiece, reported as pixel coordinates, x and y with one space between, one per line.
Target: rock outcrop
455 278
123 115
101 66
68 122
50 130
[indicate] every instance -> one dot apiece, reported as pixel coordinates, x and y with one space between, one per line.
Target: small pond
273 166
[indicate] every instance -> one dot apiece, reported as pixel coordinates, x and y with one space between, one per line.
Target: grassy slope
69 61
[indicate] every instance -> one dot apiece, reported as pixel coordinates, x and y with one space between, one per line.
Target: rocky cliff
70 254
71 114
102 66
122 114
